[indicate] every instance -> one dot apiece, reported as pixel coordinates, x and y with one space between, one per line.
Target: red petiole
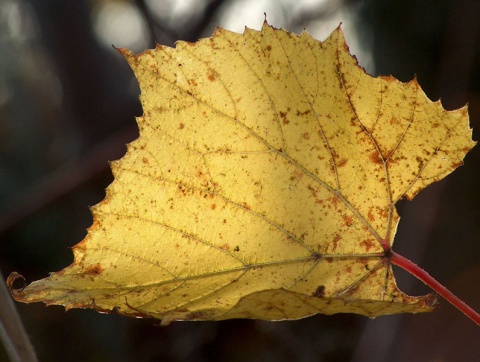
422 275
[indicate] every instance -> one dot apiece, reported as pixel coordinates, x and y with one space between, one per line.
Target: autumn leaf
263 185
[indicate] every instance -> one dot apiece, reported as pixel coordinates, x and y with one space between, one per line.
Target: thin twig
12 333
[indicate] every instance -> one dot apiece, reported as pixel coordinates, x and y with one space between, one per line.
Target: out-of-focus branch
190 33
12 333
64 180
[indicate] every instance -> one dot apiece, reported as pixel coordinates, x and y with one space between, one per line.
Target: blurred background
67 106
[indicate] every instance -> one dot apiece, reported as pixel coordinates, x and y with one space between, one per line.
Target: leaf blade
268 165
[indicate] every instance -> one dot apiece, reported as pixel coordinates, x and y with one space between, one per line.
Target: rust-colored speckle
371 216
334 200
304 113
376 158
368 244
181 189
296 175
285 120
213 206
211 77
145 160
269 47
420 161
181 126
225 247
335 155
348 219
246 206
394 122
383 212
335 241
312 190
93 270
342 163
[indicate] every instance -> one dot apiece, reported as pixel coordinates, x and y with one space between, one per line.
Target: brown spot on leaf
225 247
342 163
394 122
296 175
335 241
245 205
213 206
283 115
94 269
371 216
304 113
348 219
368 244
334 200
181 126
319 292
376 158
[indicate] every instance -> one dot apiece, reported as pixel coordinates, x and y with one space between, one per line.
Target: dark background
67 106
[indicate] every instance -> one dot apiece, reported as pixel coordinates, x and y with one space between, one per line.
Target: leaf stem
422 275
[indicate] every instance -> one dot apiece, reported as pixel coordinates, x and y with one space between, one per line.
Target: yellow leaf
263 185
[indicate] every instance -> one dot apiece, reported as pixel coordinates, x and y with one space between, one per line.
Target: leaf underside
263 185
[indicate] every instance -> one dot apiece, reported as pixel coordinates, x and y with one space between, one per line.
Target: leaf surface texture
263 185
